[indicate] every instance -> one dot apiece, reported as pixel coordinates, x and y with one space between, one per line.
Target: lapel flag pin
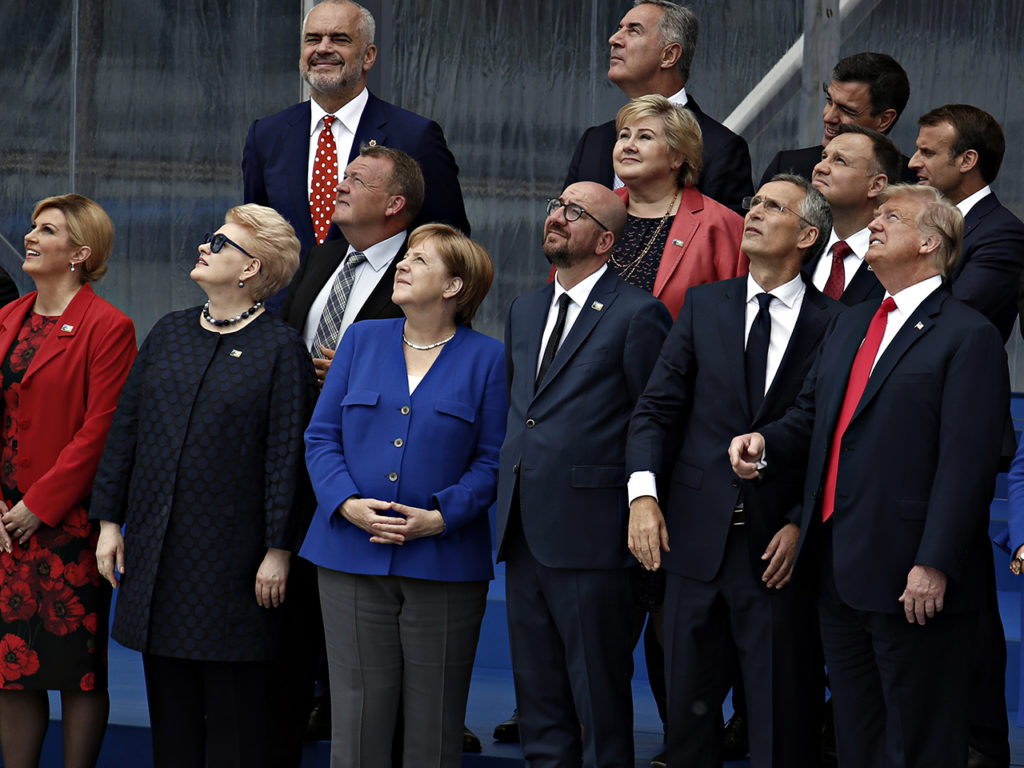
67 328
597 305
677 243
235 353
919 326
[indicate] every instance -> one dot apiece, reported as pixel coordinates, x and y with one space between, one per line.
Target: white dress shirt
343 130
907 300
970 201
784 311
858 243
577 298
367 275
679 99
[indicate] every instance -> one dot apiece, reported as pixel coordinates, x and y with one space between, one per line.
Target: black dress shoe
976 759
470 741
318 727
735 744
508 731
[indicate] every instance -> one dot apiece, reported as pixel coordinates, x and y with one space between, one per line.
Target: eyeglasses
217 242
772 206
573 212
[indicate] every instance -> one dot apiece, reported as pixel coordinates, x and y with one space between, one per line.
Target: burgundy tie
859 373
836 283
325 179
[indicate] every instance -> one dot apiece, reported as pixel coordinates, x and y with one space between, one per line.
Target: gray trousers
397 642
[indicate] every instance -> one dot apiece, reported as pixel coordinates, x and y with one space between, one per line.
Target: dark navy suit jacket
276 159
988 272
698 391
919 458
565 441
725 175
802 162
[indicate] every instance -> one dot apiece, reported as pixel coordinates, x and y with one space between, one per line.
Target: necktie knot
841 250
887 306
328 120
355 259
764 300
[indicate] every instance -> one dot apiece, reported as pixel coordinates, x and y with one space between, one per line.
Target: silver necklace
424 347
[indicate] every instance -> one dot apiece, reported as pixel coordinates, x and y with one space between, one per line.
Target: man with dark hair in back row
867 89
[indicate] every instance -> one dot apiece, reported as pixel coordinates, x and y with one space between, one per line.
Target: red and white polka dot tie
325 179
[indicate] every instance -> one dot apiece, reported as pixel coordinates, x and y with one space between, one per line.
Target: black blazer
725 175
802 162
565 441
318 267
698 391
918 459
862 287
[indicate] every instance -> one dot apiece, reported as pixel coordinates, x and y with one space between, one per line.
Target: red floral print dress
51 596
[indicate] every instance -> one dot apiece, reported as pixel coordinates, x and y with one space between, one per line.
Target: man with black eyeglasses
577 354
868 89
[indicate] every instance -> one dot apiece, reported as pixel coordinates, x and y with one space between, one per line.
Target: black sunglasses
217 242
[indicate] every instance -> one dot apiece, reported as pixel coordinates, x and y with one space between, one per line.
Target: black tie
554 339
757 352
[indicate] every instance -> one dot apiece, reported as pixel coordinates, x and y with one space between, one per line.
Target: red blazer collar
67 326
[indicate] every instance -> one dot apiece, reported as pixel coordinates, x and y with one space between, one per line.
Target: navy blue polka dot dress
203 466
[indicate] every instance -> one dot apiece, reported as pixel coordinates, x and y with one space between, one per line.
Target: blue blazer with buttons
434 449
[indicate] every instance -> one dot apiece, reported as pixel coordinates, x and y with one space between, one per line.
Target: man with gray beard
293 159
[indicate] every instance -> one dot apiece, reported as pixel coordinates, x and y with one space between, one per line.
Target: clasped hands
17 523
414 522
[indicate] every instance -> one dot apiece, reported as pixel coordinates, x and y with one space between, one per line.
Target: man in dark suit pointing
904 410
728 365
578 353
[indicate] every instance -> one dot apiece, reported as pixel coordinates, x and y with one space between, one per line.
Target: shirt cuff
641 484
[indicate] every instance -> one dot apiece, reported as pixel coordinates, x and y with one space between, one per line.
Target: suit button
405 410
399 442
392 476
735 483
530 423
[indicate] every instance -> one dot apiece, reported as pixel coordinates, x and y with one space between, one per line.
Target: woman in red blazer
675 237
64 356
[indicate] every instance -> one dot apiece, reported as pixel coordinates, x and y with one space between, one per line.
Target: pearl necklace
231 320
425 347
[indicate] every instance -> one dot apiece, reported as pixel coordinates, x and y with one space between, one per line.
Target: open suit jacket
318 268
275 162
918 460
725 172
565 441
698 390
862 287
67 399
988 273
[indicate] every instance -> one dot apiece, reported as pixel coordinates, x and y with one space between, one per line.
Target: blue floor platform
491 698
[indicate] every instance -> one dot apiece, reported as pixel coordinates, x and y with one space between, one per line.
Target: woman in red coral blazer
675 237
64 356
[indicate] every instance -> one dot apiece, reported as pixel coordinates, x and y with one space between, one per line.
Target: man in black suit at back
651 52
869 89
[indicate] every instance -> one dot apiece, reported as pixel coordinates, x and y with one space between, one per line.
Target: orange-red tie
859 373
325 179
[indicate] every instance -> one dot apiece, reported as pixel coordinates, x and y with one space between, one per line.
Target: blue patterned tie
328 330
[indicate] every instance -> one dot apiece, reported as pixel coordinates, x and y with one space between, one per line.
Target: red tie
836 283
325 179
859 374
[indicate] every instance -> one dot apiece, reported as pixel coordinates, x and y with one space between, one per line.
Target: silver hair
678 25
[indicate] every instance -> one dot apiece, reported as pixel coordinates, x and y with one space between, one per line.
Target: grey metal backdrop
144 107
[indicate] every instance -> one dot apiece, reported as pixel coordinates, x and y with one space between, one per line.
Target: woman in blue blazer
403 454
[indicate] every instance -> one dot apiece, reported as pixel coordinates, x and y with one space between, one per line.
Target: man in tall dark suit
651 52
279 163
855 167
578 353
734 360
904 411
340 282
868 89
959 151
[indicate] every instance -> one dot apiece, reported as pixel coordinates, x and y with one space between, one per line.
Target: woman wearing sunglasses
203 470
64 356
